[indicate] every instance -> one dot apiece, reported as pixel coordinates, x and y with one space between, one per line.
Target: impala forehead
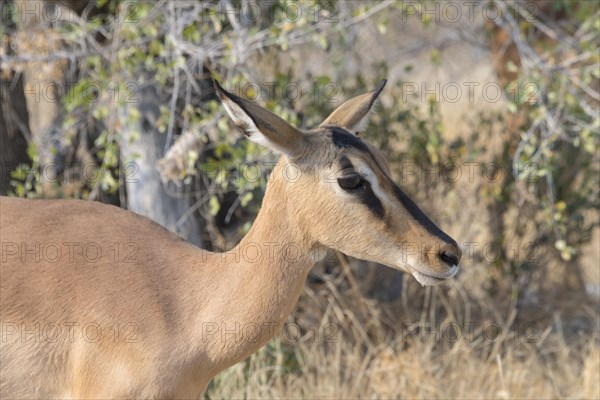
345 140
342 138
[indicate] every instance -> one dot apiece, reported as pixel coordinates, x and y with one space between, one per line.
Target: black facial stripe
366 195
342 138
419 215
369 199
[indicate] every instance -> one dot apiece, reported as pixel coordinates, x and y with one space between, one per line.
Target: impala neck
282 242
259 281
275 255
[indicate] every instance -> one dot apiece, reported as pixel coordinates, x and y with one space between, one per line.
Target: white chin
426 280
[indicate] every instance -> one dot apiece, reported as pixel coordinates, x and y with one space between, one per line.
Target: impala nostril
449 258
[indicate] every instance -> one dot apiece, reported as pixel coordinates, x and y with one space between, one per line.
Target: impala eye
351 182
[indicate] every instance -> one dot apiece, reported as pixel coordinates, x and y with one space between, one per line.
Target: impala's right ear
260 125
354 113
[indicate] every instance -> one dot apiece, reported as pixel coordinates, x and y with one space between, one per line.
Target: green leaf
213 206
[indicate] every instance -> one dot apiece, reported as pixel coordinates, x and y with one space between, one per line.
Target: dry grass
342 372
408 349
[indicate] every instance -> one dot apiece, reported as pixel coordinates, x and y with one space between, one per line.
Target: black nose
449 257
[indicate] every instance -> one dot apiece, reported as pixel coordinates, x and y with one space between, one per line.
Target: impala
98 302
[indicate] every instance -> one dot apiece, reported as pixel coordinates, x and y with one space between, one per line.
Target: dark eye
351 182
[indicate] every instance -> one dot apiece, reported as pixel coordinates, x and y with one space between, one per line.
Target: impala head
341 195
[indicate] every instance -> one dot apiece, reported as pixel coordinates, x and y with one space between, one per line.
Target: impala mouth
433 279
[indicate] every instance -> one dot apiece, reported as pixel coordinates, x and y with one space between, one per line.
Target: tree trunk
14 119
146 194
44 85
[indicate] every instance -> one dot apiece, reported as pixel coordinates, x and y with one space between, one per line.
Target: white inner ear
364 121
246 124
241 119
361 125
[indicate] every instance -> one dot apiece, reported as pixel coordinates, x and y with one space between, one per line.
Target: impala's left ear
354 113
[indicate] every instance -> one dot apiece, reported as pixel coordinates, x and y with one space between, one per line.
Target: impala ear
354 113
260 125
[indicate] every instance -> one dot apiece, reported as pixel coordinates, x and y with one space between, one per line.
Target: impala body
98 302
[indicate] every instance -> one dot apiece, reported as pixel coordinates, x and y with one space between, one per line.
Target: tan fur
161 317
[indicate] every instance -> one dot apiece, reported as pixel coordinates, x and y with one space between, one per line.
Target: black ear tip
377 91
219 89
